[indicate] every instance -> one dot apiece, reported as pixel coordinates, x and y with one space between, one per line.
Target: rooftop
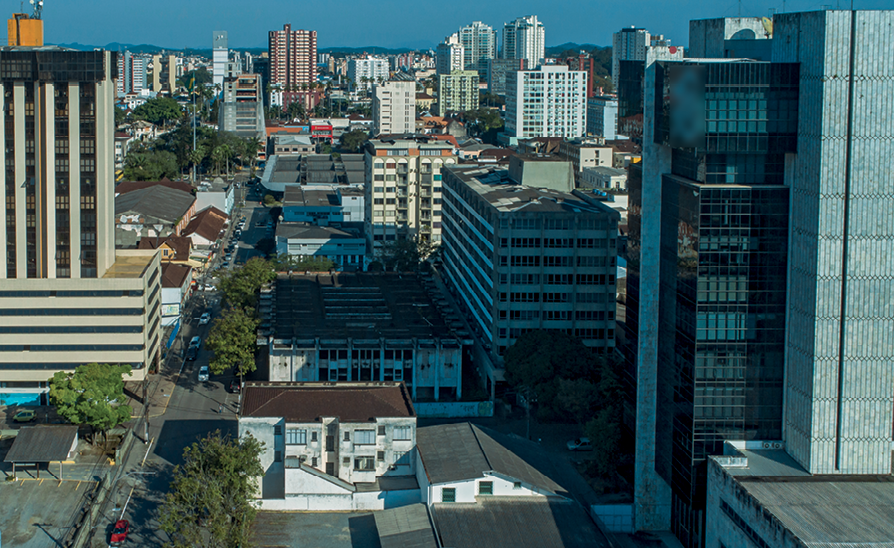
298 196
516 522
307 402
129 264
207 223
405 527
156 201
311 231
362 306
494 185
462 451
173 275
318 169
43 443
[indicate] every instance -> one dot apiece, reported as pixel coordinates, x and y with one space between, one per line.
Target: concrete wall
467 490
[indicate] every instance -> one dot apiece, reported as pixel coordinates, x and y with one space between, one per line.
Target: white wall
467 490
300 482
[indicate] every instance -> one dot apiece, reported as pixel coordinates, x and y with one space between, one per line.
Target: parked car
119 533
195 342
580 444
203 373
210 287
192 353
234 386
205 318
25 415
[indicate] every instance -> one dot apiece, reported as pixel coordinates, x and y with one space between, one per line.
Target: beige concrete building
403 189
457 91
66 296
394 108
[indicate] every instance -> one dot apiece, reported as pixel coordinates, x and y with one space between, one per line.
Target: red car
119 533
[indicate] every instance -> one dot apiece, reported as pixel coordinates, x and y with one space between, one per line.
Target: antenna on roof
38 7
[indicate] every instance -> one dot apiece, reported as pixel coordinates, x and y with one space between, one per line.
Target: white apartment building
631 45
394 108
479 43
403 189
363 72
550 101
602 117
327 446
524 38
458 91
220 54
449 55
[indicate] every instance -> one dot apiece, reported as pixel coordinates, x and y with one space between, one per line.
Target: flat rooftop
308 401
360 306
130 266
318 169
494 185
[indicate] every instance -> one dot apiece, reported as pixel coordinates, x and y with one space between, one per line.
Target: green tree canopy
120 116
284 261
93 395
201 74
150 165
353 140
240 286
211 498
233 340
404 255
483 119
159 111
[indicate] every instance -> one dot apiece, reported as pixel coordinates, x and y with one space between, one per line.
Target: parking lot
40 513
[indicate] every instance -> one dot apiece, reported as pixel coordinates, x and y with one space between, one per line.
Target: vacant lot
39 513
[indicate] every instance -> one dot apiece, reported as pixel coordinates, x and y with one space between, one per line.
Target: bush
269 200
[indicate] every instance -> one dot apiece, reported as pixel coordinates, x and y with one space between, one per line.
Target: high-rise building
394 107
457 91
602 117
403 185
131 73
525 251
363 72
449 55
631 44
524 39
220 56
497 72
293 56
479 42
242 108
550 101
759 253
164 75
67 297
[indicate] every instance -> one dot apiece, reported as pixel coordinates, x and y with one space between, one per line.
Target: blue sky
386 23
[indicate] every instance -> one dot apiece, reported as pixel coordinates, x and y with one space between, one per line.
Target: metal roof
42 443
405 527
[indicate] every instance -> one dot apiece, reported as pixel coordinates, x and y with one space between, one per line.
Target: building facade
524 38
632 45
523 258
131 73
602 117
479 42
449 55
498 70
220 55
394 107
363 72
785 356
346 250
242 107
403 190
458 91
293 56
547 102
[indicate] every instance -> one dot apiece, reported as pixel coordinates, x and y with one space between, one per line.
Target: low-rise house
206 227
304 240
332 446
174 249
153 211
604 178
122 142
217 193
291 144
176 286
322 205
483 488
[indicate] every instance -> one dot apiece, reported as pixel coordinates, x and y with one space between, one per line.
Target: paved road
191 413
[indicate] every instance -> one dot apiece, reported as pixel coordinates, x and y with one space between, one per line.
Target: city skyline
178 25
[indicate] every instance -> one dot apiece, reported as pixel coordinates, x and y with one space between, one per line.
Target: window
364 463
448 494
313 461
347 436
402 433
346 461
516 485
381 430
485 488
364 437
380 455
277 430
296 436
313 436
401 458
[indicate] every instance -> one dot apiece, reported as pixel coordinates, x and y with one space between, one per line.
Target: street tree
240 286
404 255
539 358
93 394
353 140
151 165
233 340
210 503
159 111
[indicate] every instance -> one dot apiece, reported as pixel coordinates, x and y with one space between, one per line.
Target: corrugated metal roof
42 444
406 527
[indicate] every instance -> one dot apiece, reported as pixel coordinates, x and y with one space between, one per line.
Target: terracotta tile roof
306 402
129 186
179 244
173 275
207 223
